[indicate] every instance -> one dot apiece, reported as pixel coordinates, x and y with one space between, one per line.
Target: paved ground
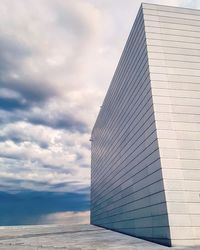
77 237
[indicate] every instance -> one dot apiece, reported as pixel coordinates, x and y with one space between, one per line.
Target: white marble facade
145 177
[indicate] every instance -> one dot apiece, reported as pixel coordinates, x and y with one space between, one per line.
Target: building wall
127 191
173 41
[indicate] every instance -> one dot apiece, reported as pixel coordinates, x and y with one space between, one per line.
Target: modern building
145 178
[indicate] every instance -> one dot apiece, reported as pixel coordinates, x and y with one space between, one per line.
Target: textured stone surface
146 139
127 191
72 237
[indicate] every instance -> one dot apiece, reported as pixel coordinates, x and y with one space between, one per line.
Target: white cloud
69 218
45 155
57 59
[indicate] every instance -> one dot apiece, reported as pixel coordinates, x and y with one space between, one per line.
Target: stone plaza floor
72 237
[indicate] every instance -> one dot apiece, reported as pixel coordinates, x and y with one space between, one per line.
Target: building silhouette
145 178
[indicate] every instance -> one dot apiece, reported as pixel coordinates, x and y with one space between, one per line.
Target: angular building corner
145 173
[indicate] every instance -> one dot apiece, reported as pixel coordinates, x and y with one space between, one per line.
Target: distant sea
32 208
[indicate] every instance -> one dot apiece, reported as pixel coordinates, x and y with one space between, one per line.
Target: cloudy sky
57 58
